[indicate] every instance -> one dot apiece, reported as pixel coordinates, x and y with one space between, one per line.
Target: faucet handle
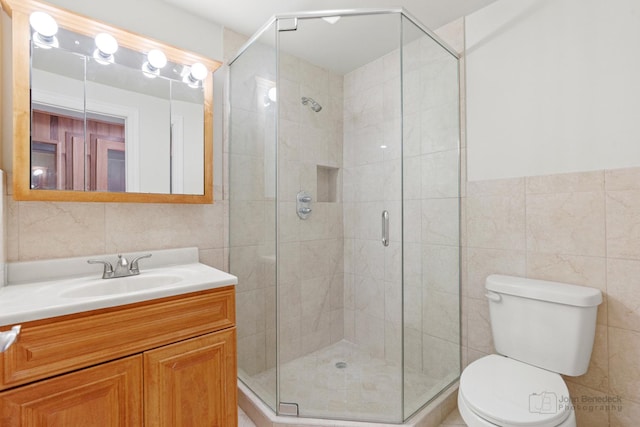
133 265
108 268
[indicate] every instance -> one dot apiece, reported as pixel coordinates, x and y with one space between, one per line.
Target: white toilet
540 330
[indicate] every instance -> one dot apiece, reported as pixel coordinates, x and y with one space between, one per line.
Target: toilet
540 330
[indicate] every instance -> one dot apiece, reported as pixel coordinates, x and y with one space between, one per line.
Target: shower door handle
385 228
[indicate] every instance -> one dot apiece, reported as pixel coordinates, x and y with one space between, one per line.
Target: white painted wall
156 19
552 86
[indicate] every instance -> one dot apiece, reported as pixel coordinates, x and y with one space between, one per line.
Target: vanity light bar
46 28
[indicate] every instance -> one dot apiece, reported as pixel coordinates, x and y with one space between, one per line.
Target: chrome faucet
124 268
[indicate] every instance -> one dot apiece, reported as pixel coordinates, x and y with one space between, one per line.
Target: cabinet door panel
105 395
192 383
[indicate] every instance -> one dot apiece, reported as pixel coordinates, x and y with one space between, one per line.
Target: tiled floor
453 419
244 420
366 388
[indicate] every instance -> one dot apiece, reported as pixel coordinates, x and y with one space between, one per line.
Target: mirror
116 117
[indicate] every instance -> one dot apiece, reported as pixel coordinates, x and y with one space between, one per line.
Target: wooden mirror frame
19 11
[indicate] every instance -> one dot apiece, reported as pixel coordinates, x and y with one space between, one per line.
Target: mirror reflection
106 118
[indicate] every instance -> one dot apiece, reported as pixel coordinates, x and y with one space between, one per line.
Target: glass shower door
339 155
431 131
252 195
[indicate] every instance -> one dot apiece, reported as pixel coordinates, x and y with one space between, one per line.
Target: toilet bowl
540 329
499 391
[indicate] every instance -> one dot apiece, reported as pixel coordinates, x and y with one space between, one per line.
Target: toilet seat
510 393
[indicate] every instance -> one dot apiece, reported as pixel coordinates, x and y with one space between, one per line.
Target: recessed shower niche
345 324
327 184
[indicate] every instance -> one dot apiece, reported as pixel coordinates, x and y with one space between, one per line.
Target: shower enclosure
344 214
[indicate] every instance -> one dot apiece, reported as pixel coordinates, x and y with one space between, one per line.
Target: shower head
313 104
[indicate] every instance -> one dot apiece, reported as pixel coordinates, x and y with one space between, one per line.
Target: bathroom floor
453 419
343 381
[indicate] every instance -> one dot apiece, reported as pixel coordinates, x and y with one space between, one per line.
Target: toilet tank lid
562 293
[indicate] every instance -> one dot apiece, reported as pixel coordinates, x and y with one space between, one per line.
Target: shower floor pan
343 382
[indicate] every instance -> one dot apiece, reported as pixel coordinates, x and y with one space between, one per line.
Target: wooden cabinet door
105 395
192 383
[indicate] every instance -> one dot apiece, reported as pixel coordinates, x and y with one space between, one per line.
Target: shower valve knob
304 210
305 199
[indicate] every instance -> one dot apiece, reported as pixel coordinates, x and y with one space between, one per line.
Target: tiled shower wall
311 250
581 228
372 183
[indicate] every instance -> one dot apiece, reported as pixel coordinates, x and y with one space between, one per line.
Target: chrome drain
341 365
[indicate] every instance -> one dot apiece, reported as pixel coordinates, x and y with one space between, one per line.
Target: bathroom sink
49 288
121 285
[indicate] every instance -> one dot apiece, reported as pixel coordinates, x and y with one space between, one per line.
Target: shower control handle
385 228
303 204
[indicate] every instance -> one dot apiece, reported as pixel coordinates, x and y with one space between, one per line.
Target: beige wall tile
622 179
213 258
441 271
483 262
12 234
597 377
498 187
441 316
566 183
59 230
588 412
479 326
623 285
132 227
624 414
567 223
623 224
577 270
440 221
496 221
441 358
624 363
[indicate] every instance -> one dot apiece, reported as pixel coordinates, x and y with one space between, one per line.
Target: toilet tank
546 324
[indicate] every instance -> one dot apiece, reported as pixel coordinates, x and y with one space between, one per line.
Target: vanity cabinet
165 362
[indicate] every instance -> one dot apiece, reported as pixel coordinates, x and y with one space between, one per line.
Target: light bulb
44 24
45 30
198 72
157 59
107 44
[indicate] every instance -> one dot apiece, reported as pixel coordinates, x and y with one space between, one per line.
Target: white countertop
38 289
